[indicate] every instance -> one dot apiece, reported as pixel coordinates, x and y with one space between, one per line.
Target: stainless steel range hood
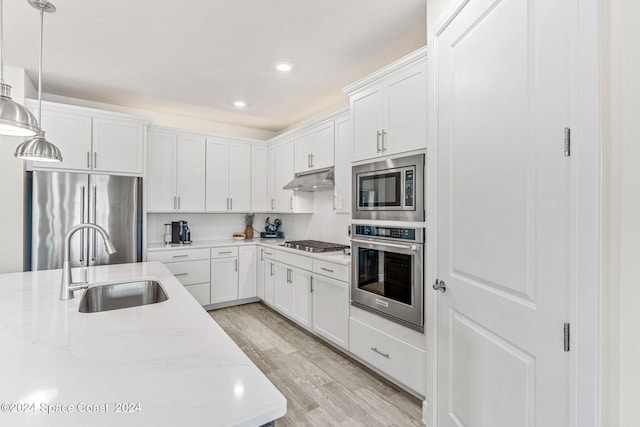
312 181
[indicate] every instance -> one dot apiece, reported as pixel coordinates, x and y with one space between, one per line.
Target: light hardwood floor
322 386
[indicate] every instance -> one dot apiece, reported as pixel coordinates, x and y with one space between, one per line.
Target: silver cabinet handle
178 202
261 254
175 203
378 135
384 137
225 252
334 201
375 349
83 219
288 276
227 203
291 202
230 203
326 269
95 159
88 159
180 256
311 284
272 201
308 160
311 155
271 269
268 253
93 220
180 274
236 264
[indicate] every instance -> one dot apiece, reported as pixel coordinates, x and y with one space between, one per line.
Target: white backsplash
323 224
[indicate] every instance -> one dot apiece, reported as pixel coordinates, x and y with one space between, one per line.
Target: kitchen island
161 364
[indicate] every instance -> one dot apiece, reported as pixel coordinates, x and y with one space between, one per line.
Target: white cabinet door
217 186
224 279
283 175
270 282
71 133
303 148
331 309
300 296
282 288
344 155
406 109
323 146
117 145
161 172
261 268
239 178
259 181
247 264
367 112
190 172
271 178
201 292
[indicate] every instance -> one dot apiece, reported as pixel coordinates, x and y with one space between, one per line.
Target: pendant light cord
1 42
40 68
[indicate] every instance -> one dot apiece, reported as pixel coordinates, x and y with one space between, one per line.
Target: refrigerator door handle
82 218
93 221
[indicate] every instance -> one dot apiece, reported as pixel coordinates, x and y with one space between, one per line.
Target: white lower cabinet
201 292
261 268
247 265
191 267
224 280
396 358
282 289
269 277
301 296
331 309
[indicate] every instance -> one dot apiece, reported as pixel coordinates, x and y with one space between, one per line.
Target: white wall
621 215
323 224
11 190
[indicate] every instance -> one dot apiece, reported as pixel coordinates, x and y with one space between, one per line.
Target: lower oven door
387 279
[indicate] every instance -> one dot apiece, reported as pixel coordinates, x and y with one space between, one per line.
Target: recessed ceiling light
240 104
283 66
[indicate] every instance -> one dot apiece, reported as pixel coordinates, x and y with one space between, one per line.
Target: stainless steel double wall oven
387 256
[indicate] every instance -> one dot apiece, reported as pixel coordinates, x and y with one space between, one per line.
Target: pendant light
15 119
39 148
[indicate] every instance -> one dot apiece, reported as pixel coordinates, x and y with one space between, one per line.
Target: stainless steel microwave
390 189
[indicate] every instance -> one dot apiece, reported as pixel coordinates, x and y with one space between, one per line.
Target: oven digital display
390 232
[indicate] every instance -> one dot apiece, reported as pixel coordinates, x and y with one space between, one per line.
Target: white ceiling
195 57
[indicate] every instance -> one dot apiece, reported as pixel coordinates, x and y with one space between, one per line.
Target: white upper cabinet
389 109
117 145
271 178
93 140
175 172
259 179
283 175
343 155
314 148
228 176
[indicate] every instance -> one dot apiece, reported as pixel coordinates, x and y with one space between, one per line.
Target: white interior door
504 248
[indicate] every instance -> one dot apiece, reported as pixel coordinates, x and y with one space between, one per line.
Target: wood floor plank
323 387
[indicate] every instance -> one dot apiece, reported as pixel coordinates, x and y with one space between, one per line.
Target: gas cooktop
314 246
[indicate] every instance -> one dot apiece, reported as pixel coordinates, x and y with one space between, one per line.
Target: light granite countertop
161 364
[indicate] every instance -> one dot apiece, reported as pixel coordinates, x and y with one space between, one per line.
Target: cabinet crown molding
94 112
404 62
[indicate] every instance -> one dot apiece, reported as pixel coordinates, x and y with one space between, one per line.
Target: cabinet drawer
269 253
190 272
300 261
178 255
200 292
331 269
396 358
224 252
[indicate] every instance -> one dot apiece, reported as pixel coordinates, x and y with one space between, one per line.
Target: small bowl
238 237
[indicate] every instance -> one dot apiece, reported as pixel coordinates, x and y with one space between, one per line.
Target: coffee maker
180 233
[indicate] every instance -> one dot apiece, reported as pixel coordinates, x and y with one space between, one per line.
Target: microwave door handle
385 244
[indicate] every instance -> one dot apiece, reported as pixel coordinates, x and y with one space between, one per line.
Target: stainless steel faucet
68 286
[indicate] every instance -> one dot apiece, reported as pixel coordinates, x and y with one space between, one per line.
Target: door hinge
567 142
567 337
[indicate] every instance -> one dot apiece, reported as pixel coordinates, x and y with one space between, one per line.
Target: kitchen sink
114 296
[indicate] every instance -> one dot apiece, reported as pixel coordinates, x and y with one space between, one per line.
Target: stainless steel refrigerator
56 201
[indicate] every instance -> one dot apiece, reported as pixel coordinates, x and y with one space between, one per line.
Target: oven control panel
396 233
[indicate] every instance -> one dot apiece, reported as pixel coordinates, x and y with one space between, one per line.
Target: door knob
439 285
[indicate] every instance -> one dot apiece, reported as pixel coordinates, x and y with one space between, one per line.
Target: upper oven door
389 190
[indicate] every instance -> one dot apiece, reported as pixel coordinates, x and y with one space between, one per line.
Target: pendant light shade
39 148
15 119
